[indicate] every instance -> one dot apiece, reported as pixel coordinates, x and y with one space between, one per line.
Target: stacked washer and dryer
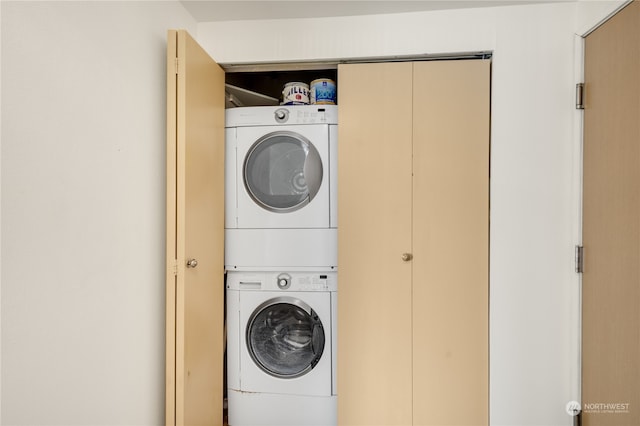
281 262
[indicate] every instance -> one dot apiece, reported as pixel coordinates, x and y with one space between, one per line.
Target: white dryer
281 348
281 186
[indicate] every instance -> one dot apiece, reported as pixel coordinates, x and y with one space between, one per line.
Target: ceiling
238 10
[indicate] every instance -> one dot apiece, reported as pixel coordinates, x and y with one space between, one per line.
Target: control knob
284 281
281 115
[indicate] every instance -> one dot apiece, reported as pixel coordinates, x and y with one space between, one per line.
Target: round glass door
282 171
285 337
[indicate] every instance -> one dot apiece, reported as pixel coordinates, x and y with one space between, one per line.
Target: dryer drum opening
282 171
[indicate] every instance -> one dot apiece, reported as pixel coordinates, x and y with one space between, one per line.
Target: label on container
295 93
323 92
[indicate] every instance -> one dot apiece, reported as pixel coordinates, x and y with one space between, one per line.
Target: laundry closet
281 254
412 235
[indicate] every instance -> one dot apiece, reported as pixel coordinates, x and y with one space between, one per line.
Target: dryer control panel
281 115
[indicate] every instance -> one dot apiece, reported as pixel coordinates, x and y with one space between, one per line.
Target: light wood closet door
374 208
195 231
611 223
413 172
451 242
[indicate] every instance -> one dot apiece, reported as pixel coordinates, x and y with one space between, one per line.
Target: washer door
285 337
282 171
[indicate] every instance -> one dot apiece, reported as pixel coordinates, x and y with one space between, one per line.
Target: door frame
233 67
173 410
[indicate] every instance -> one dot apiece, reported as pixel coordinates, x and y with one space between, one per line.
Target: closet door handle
192 263
407 257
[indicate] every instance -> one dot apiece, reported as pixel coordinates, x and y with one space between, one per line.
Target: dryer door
285 337
282 171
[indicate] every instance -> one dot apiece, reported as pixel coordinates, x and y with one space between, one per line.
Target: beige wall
83 158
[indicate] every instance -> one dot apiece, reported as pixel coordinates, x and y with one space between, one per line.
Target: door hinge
579 259
580 96
176 66
174 267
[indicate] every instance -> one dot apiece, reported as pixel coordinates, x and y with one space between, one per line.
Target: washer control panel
288 281
318 282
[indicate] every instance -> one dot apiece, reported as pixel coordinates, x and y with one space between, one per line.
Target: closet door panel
195 230
374 209
450 242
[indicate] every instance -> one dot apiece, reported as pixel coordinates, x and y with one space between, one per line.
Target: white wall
591 13
83 163
533 341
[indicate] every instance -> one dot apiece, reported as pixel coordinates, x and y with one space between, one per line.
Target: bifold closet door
374 209
451 242
413 243
195 234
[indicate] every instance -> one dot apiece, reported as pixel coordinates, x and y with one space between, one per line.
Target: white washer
281 186
281 348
